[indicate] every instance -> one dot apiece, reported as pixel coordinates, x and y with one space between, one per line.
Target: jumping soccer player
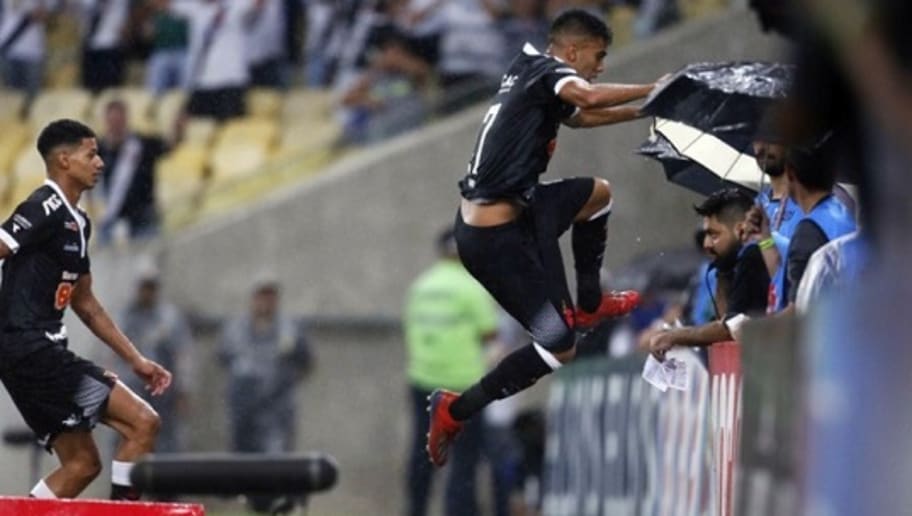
61 396
508 224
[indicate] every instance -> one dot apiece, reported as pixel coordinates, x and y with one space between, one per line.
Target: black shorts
520 262
57 391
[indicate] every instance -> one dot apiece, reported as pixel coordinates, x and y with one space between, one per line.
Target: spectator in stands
471 52
22 43
217 75
423 22
128 181
703 287
448 318
321 24
742 277
266 355
104 33
168 36
655 15
780 209
525 22
265 46
811 177
388 98
160 332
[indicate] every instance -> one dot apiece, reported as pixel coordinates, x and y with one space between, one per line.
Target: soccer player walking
508 224
61 396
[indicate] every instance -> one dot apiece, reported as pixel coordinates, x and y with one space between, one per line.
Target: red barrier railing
725 418
33 507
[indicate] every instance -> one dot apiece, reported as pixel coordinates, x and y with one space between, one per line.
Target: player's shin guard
588 250
121 486
517 371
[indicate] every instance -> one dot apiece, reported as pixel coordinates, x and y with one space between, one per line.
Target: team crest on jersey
506 84
51 204
72 226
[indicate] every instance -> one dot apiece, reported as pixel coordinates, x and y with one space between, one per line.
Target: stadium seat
51 105
306 104
264 103
236 160
249 130
180 173
200 131
15 136
139 105
28 174
309 136
11 104
166 112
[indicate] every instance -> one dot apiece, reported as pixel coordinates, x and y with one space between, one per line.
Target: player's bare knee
147 425
601 193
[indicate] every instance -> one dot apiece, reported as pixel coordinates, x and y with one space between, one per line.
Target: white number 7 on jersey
486 124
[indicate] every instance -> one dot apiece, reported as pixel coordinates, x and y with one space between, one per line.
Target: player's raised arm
602 95
603 116
96 318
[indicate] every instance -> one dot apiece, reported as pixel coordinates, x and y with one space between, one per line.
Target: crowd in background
392 63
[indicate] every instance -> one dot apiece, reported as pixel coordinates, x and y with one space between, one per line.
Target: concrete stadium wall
348 242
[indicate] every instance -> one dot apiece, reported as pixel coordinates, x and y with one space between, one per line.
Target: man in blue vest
811 179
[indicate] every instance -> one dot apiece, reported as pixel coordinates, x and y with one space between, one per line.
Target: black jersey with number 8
49 240
519 130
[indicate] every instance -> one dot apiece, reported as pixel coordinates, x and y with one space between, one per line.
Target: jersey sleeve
550 77
29 224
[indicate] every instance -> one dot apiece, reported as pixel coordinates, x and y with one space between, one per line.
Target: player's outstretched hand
663 80
156 377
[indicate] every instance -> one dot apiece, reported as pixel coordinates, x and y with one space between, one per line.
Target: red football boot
443 427
614 304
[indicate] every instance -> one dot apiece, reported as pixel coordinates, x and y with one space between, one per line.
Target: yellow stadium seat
249 130
199 130
180 173
51 105
264 103
11 104
309 136
15 136
307 104
236 160
139 107
168 109
28 174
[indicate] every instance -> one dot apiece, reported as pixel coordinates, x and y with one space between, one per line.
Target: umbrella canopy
699 161
727 100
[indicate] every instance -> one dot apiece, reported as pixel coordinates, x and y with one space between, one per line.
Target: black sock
516 372
588 242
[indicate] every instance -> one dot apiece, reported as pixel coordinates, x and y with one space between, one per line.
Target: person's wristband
766 243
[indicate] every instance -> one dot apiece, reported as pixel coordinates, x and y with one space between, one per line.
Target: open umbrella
699 161
727 100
